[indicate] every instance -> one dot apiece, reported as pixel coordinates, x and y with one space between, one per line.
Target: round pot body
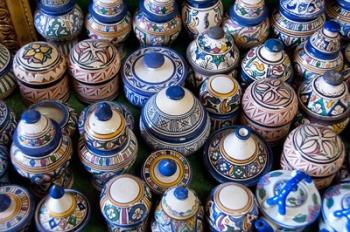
8 124
7 78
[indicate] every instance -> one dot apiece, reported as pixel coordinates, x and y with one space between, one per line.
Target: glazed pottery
107 147
148 70
41 153
174 119
7 79
320 53
94 66
62 210
179 210
339 11
157 22
212 52
231 207
248 23
316 150
198 15
289 201
164 169
7 124
16 208
221 97
237 154
4 165
343 175
125 203
266 61
269 107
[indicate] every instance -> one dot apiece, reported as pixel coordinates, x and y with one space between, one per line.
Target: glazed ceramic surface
7 124
7 79
4 165
339 11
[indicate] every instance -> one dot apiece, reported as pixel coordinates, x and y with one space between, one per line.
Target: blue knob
31 116
262 226
274 45
175 92
181 193
103 111
243 132
216 32
5 202
332 26
333 77
56 191
167 167
154 59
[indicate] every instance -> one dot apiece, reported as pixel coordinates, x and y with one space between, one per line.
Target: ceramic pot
148 70
269 107
94 66
248 23
231 206
339 11
198 16
4 165
179 210
8 124
174 119
126 195
343 175
7 79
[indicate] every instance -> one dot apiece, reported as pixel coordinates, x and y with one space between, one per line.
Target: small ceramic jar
40 70
148 70
289 201
62 210
325 100
94 66
125 203
179 210
248 23
41 153
266 61
212 52
316 150
174 119
198 15
339 11
107 147
8 124
16 208
164 169
296 20
157 23
221 97
231 206
7 78
269 107
4 165
320 53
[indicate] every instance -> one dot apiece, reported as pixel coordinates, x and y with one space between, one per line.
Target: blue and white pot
339 11
7 124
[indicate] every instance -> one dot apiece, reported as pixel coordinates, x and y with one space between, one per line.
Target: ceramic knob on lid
301 10
7 78
339 11
159 11
7 124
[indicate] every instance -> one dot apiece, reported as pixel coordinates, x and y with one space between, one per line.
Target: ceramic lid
302 10
201 3
159 10
62 210
344 4
5 59
248 12
56 7
108 11
16 208
4 160
289 199
180 203
164 169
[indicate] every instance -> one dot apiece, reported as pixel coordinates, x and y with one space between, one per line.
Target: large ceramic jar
157 22
212 52
289 201
297 20
94 66
269 107
7 78
107 147
266 61
320 53
248 23
198 15
7 124
41 153
339 11
179 210
40 70
231 206
316 150
148 70
4 165
174 119
125 203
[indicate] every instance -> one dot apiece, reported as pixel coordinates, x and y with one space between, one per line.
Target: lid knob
154 59
56 192
332 26
103 111
5 202
181 193
243 132
274 45
333 77
167 167
216 32
175 92
31 116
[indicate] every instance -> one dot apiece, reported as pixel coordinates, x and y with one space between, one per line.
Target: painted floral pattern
37 53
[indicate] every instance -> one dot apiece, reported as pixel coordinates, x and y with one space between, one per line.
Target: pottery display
108 147
94 66
7 79
174 119
125 203
266 61
198 15
212 52
179 210
8 124
231 207
164 169
289 201
40 70
4 165
269 107
248 23
16 208
339 11
221 97
41 153
316 150
62 210
148 70
157 23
